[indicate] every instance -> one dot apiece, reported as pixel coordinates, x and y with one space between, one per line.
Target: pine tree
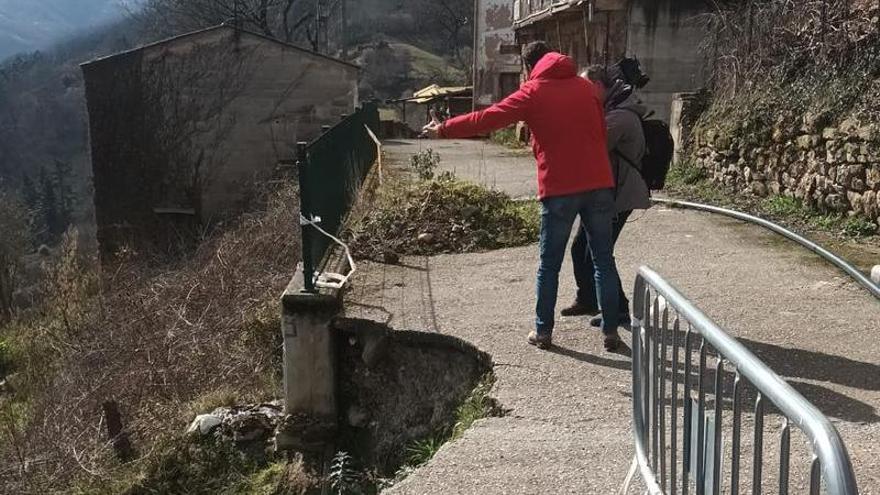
49 207
64 194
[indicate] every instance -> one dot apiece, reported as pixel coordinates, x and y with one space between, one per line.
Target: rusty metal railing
679 403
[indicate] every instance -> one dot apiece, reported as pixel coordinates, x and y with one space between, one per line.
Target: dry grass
161 342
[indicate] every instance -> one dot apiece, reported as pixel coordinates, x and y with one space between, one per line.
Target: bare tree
13 245
451 18
288 20
749 38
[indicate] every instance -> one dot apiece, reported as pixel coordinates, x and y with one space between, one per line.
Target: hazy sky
27 25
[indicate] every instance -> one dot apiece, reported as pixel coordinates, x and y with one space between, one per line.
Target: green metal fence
332 170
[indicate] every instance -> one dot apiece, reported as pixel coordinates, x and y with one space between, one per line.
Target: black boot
578 309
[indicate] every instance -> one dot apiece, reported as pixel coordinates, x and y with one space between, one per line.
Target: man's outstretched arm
512 109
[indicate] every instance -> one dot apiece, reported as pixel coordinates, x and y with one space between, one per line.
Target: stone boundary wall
833 169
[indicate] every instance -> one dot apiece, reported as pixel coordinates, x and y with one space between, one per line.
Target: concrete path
512 171
568 427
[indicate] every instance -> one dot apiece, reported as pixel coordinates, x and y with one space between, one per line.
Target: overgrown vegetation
781 64
688 181
441 214
157 340
196 465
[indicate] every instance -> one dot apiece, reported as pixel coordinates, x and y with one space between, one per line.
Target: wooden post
751 25
116 433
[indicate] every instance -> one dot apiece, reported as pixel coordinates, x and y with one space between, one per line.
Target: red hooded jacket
566 119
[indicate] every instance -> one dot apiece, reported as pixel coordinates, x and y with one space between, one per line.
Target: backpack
659 149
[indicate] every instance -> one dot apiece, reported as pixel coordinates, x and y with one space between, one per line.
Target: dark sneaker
623 320
540 341
578 309
613 342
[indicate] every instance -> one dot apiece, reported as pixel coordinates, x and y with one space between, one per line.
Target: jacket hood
554 66
621 96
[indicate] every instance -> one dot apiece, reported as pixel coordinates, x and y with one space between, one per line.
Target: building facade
665 35
182 130
497 67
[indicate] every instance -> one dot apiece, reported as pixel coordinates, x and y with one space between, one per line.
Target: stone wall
829 168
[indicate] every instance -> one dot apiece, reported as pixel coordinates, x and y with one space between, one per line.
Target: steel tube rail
827 445
832 258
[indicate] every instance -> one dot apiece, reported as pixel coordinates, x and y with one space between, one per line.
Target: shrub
443 216
157 340
507 137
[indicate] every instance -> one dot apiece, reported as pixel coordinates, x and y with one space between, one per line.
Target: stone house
182 130
665 35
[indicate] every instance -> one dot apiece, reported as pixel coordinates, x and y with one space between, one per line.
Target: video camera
631 72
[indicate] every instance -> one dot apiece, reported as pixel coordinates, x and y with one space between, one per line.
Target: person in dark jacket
565 115
626 145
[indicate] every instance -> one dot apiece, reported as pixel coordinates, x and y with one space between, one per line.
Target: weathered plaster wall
830 168
276 97
665 35
601 40
494 28
182 130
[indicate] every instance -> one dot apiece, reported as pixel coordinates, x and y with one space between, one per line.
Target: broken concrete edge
373 331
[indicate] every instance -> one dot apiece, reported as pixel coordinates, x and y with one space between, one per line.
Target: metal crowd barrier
680 440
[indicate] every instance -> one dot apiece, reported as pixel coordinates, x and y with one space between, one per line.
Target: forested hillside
28 25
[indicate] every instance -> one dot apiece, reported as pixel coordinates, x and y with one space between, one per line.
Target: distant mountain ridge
28 25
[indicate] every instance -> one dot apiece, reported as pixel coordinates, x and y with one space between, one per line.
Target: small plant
344 478
686 173
783 206
827 221
859 226
477 406
425 164
421 451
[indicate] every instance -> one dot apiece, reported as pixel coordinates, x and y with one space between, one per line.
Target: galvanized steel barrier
332 169
679 403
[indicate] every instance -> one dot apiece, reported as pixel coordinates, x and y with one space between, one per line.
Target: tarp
435 91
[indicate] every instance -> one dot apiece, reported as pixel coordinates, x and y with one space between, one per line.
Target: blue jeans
582 261
596 210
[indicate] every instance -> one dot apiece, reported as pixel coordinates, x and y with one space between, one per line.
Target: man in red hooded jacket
565 116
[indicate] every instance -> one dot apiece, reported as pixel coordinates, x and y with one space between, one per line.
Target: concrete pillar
675 126
683 113
309 350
